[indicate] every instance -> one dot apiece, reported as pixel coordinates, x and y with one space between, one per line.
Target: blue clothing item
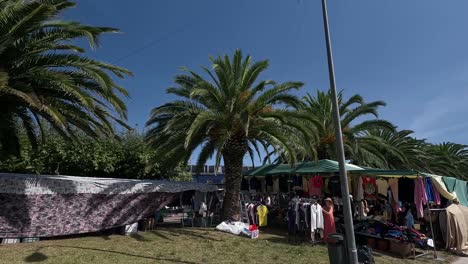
429 190
409 220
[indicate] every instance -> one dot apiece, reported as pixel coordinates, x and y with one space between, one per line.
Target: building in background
211 174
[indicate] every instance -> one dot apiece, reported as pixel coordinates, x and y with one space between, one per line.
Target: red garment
328 223
369 186
317 181
315 186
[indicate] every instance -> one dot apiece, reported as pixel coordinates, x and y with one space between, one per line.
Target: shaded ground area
173 245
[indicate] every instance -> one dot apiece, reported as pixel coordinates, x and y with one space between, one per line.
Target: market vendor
328 220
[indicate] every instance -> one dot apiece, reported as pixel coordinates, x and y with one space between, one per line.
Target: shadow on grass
159 234
195 234
126 254
36 257
139 237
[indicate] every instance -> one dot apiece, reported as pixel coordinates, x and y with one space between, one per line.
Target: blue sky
411 54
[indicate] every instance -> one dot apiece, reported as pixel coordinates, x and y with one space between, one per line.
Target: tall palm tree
229 115
351 110
45 79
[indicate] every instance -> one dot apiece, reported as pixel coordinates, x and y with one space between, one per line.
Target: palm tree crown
320 108
228 116
45 79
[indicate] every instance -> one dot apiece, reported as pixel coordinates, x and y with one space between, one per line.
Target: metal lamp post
348 218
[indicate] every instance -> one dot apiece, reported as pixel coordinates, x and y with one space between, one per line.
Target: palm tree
228 116
354 134
393 150
45 79
448 158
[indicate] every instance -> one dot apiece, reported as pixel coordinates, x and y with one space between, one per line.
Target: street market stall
56 205
396 210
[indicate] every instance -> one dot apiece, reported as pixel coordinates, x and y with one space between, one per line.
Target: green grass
173 245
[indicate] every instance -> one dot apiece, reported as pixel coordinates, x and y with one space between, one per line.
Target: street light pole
348 218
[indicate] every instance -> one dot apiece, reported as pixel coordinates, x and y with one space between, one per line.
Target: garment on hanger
436 194
360 190
420 196
409 219
316 217
315 186
382 187
393 183
276 188
305 185
305 213
369 186
431 191
262 212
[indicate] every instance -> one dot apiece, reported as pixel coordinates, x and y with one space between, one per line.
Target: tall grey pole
348 218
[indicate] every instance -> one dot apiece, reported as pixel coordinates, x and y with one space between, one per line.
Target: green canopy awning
260 171
388 173
323 166
309 167
282 169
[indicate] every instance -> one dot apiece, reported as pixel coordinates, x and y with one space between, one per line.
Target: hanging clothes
459 187
409 219
382 187
393 184
420 197
315 186
251 214
262 212
428 188
276 188
431 191
360 190
316 217
440 185
305 185
369 186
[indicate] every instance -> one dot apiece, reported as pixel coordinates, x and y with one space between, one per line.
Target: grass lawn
173 245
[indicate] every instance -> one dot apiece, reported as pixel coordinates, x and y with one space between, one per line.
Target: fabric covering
456 229
439 184
53 205
459 187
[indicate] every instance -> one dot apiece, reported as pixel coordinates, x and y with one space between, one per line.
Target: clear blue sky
411 54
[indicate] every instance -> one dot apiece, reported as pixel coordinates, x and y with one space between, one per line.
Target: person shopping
328 220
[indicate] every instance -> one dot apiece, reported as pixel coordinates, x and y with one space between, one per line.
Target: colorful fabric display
382 187
393 183
420 196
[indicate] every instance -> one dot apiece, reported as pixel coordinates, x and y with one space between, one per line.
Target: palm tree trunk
233 156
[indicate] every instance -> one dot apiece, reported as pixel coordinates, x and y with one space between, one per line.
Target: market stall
403 211
56 205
